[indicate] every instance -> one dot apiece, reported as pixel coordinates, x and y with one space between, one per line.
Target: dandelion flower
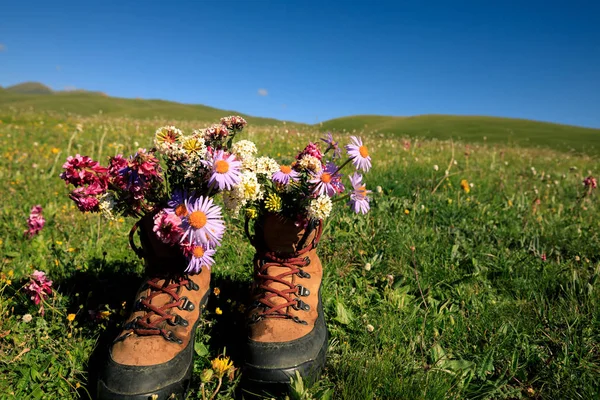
71 317
284 175
464 184
204 222
225 170
359 154
221 365
200 256
359 201
320 208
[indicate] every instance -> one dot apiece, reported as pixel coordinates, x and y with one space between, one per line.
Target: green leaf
200 349
343 315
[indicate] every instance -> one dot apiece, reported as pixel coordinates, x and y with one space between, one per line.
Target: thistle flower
327 181
38 288
320 208
359 154
204 223
234 122
35 221
284 175
359 201
200 257
225 170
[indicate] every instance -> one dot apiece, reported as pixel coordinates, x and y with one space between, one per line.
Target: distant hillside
29 88
475 129
466 128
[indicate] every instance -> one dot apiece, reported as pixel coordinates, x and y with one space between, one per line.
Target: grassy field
444 291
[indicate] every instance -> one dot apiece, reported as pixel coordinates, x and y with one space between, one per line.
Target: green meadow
474 276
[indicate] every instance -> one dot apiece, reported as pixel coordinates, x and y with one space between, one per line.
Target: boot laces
294 262
152 321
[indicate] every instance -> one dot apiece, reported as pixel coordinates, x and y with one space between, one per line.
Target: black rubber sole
260 382
176 390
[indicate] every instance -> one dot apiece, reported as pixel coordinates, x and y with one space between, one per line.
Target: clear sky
313 61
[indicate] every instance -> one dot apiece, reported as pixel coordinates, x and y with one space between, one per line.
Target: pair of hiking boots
152 358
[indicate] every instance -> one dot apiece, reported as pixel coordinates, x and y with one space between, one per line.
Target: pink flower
86 197
35 222
359 201
312 149
38 288
359 154
284 175
215 132
82 170
167 227
327 181
590 182
225 172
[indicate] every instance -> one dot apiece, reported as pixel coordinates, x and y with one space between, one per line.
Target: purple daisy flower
359 201
203 223
200 256
225 172
332 145
327 181
359 154
284 175
176 204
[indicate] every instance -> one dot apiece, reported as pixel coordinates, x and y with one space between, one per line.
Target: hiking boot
152 356
286 325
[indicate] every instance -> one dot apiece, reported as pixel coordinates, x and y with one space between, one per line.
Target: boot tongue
282 235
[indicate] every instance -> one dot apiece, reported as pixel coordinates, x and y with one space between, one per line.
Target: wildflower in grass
332 145
27 318
435 167
284 175
327 181
273 203
216 291
35 221
218 311
359 201
167 139
359 154
167 227
204 223
221 365
225 170
38 288
244 149
200 256
234 122
320 208
312 149
266 166
464 184
215 132
370 328
590 182
71 317
309 163
82 170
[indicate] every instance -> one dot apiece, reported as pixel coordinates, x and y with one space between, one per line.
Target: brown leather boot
152 357
286 325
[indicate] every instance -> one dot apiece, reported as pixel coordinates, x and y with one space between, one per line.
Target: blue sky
312 61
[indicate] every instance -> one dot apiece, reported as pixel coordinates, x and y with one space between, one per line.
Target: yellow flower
104 314
406 211
221 365
464 184
71 317
251 213
55 150
273 203
218 311
217 291
510 203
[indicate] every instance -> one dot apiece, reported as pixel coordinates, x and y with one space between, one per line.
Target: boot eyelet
300 305
186 304
303 274
191 285
178 320
306 261
171 337
302 291
300 321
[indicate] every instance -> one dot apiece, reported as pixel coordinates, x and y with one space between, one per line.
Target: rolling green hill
466 128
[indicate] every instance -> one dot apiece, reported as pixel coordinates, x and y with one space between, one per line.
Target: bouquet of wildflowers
303 189
178 195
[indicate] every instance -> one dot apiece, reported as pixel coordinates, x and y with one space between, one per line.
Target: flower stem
217 389
342 166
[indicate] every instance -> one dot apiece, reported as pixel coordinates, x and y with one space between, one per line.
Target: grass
436 294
